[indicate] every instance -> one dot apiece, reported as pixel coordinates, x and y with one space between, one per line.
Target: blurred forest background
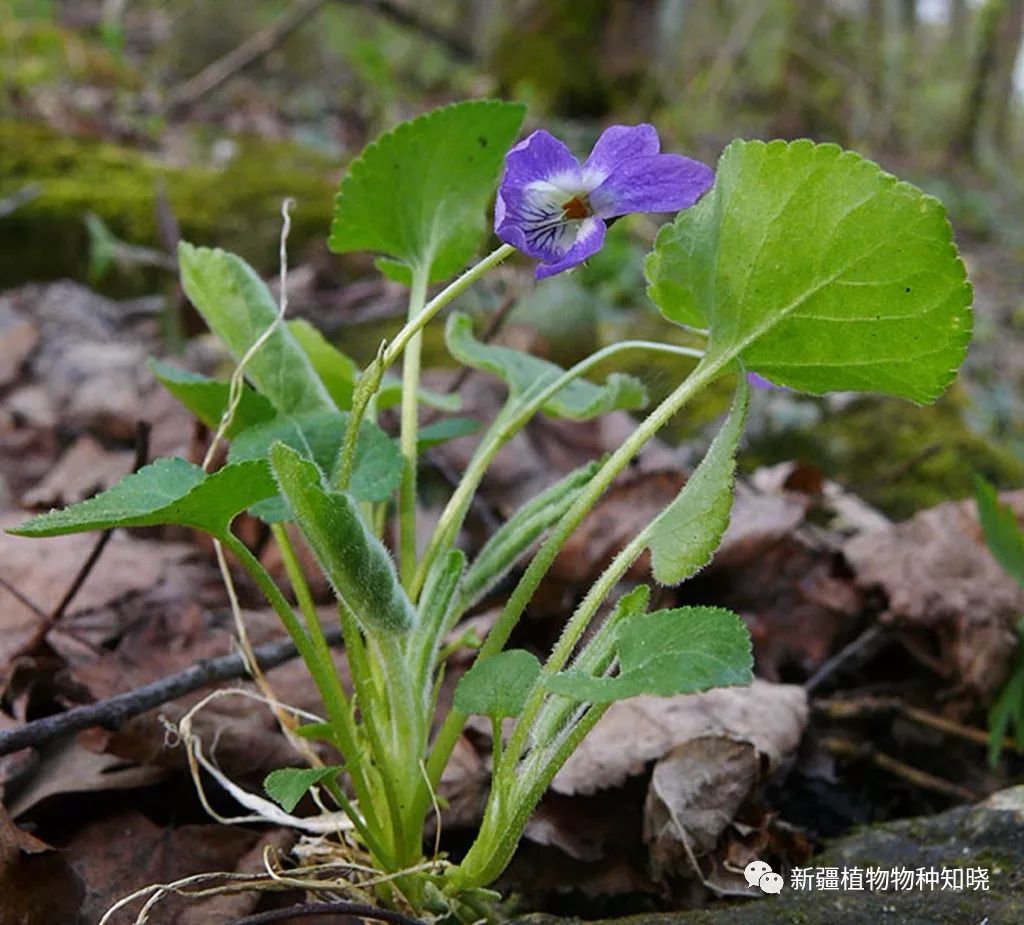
125 124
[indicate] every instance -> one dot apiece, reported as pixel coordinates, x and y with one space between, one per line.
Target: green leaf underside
357 565
527 375
820 271
686 534
448 429
207 398
337 371
1003 534
318 436
417 195
668 652
168 491
238 307
514 537
286 786
498 686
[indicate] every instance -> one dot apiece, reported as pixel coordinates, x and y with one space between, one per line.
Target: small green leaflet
498 686
417 194
1003 534
668 652
820 271
446 429
528 375
207 398
168 491
238 307
357 565
686 534
286 786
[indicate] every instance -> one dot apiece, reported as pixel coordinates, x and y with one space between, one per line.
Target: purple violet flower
757 381
556 211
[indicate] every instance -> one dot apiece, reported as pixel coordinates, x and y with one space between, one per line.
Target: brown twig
410 19
313 910
843 709
915 776
30 604
855 652
214 75
115 710
51 619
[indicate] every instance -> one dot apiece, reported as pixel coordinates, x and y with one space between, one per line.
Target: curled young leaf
318 436
357 565
513 538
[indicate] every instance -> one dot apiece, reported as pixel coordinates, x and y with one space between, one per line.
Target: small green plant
801 262
1006 543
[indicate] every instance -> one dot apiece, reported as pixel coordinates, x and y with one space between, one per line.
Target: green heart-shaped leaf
820 271
417 194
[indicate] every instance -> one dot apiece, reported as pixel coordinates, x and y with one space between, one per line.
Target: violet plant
803 263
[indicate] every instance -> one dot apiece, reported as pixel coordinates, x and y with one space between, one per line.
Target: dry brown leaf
628 507
43 570
84 469
228 908
37 886
938 576
124 852
68 767
18 340
635 732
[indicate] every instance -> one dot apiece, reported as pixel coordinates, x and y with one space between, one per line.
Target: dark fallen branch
314 910
245 55
413 21
113 711
256 47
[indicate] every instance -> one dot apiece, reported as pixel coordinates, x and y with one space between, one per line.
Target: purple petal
756 380
662 183
589 238
619 143
538 157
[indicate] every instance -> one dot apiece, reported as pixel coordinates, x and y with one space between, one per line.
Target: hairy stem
410 431
509 422
326 678
450 731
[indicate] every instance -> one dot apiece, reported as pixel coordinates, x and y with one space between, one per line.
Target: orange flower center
577 207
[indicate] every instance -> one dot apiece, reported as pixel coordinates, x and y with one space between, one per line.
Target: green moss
898 456
236 207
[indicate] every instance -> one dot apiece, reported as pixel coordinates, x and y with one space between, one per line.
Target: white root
261 810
